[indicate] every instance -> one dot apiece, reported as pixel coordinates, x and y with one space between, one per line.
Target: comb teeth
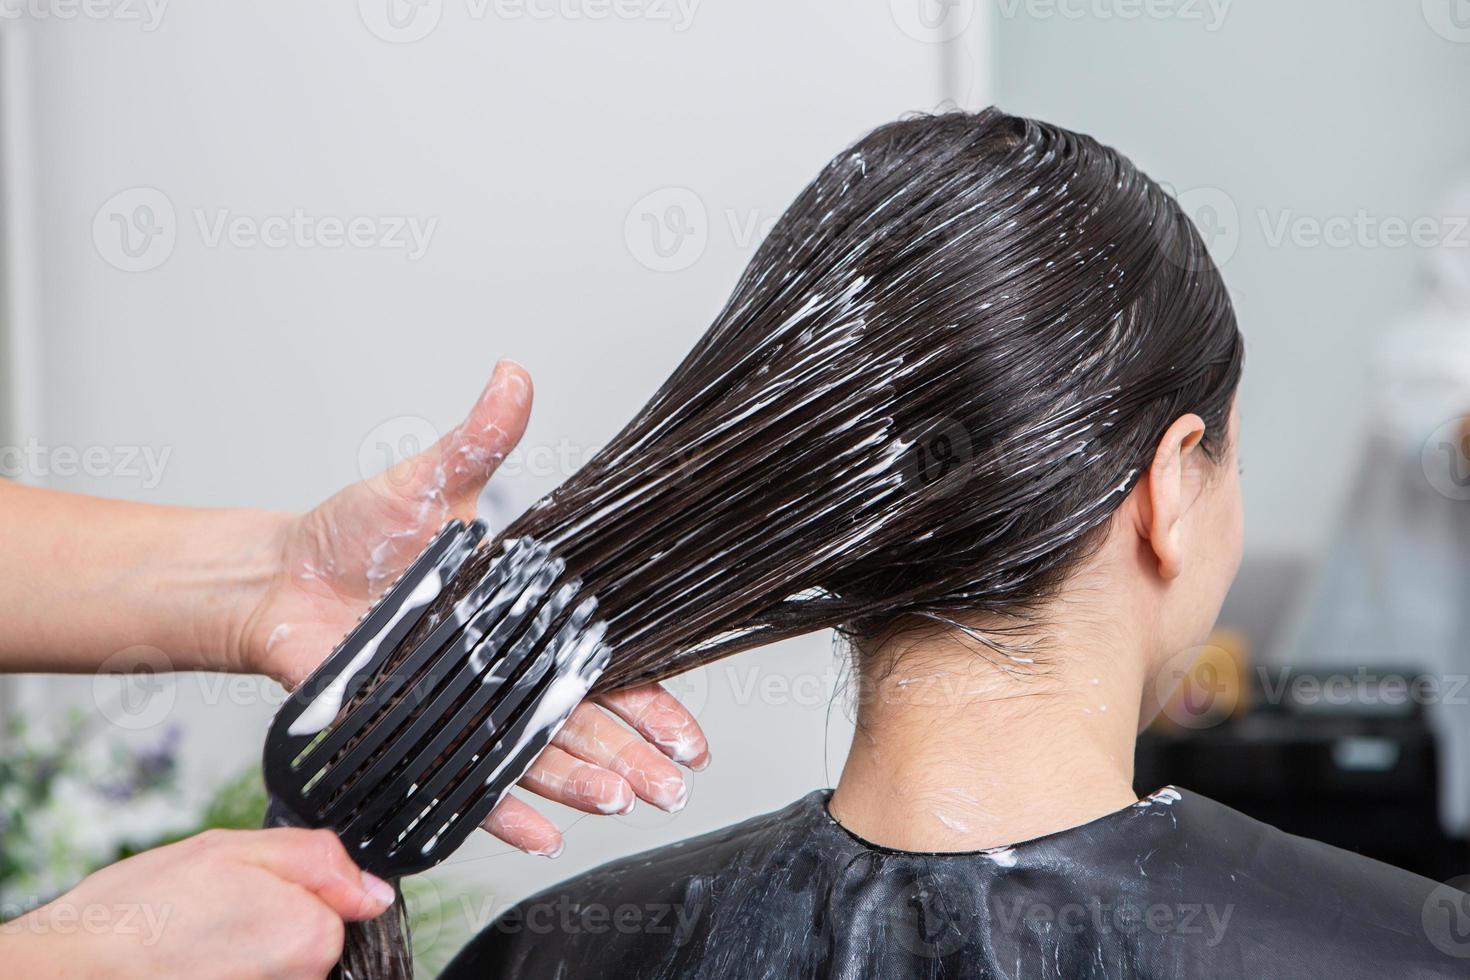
403 752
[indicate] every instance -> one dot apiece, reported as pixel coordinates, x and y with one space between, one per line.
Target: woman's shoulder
1276 897
1230 845
1177 885
655 897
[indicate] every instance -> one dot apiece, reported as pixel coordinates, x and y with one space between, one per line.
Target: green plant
75 798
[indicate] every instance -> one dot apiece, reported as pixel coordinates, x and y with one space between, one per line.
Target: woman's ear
1165 493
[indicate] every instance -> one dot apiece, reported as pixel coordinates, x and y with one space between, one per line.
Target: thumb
459 464
317 861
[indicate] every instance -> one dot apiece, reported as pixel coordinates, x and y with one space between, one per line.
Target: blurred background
250 253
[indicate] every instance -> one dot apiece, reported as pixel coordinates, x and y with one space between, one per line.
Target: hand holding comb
413 729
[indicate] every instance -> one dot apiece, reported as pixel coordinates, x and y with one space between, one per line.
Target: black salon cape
1176 886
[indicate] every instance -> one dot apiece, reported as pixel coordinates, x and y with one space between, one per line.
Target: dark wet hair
945 367
948 363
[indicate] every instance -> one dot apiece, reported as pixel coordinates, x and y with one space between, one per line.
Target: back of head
944 367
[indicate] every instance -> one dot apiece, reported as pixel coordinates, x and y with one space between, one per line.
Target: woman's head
1083 428
948 366
1056 315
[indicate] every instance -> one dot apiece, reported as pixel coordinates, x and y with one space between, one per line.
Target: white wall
267 374
1261 113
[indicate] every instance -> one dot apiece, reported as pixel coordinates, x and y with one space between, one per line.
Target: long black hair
943 370
948 363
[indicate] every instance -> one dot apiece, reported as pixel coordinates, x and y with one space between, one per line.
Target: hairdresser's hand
336 559
224 904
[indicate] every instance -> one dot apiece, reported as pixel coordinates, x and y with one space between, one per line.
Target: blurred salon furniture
1343 756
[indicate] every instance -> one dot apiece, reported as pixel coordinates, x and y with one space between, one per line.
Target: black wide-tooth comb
402 752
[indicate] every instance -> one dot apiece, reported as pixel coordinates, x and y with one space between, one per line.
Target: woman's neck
958 748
